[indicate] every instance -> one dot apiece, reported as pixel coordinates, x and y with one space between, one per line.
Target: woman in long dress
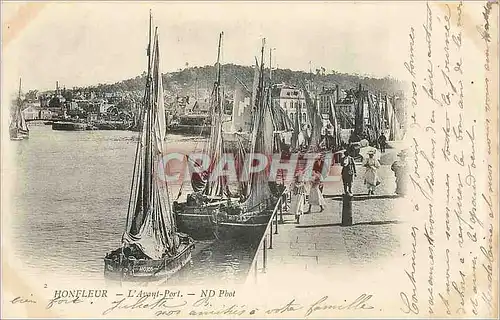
400 169
371 176
298 197
315 194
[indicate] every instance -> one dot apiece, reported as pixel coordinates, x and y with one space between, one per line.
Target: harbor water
69 206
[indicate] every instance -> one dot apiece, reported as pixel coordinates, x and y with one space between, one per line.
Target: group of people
371 165
371 177
311 192
300 192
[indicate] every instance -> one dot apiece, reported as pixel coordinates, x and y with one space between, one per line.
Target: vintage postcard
232 159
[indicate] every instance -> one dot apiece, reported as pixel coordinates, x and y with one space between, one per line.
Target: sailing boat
151 246
18 128
195 216
248 219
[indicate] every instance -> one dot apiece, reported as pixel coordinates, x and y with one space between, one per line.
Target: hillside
186 81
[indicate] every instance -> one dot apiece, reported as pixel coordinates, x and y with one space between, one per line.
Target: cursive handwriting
289 307
144 302
58 301
21 300
360 302
446 130
411 307
460 290
447 26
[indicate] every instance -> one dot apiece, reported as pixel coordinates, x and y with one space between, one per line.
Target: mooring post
347 210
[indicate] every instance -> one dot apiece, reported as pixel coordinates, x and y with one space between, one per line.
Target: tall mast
147 105
218 59
149 43
261 80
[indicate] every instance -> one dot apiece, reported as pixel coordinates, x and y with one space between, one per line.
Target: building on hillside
31 112
292 101
45 114
326 95
345 109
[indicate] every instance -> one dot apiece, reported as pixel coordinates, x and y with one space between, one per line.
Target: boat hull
149 269
196 222
189 130
18 134
249 230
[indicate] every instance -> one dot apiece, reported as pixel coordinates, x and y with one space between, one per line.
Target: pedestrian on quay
348 172
371 176
400 168
318 167
382 140
298 196
315 194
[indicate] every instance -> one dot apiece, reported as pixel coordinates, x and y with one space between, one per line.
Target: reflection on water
70 204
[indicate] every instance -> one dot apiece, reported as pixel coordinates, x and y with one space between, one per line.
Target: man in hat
381 142
348 172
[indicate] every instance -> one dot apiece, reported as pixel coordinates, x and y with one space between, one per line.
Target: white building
31 112
291 99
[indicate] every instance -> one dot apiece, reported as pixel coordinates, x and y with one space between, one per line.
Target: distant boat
18 128
69 126
191 125
152 249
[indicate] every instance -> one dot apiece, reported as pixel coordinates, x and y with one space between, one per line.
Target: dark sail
200 182
258 190
150 224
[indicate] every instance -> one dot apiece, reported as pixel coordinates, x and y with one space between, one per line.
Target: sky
85 43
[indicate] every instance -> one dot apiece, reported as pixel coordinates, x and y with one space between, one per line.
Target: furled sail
255 84
335 123
150 224
393 123
281 120
297 129
263 131
201 182
259 188
241 117
315 119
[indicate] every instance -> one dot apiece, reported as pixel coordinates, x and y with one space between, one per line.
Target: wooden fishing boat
246 225
18 129
247 220
196 215
152 248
